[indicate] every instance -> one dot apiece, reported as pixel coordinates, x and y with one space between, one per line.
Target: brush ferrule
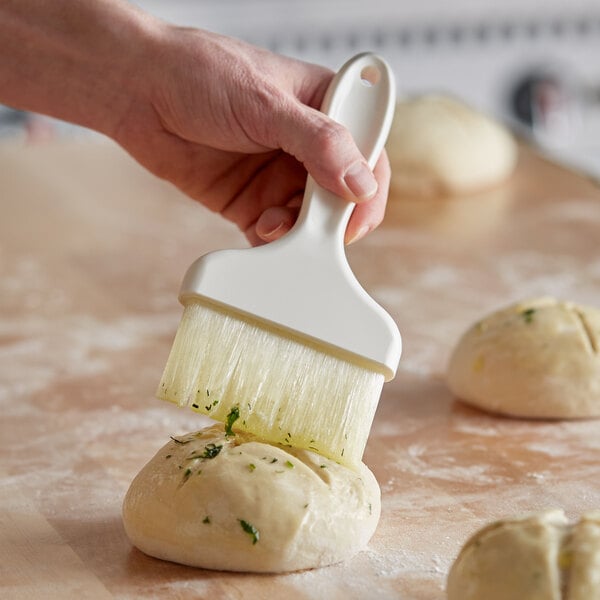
291 289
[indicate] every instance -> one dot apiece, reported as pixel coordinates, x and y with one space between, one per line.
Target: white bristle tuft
286 391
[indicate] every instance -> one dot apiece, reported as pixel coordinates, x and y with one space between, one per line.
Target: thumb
328 152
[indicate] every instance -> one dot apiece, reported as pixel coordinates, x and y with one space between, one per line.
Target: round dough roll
439 146
236 503
539 358
535 557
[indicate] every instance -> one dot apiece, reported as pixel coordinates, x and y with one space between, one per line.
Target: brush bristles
286 391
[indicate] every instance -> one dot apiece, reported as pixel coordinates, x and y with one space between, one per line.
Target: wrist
118 67
77 61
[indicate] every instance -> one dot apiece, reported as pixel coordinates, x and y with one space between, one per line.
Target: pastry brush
281 340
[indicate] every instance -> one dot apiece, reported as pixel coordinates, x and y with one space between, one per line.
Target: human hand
237 128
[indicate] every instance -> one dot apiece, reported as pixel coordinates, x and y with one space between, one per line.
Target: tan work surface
92 252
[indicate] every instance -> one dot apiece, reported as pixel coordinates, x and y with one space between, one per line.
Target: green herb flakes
168 456
232 417
250 530
211 450
274 461
289 465
206 520
528 315
194 405
323 466
251 467
186 475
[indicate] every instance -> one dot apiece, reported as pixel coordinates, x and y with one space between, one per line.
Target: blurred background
535 65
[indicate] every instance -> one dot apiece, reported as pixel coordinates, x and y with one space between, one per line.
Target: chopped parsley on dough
250 530
232 417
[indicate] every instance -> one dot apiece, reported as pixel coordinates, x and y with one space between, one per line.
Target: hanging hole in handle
370 76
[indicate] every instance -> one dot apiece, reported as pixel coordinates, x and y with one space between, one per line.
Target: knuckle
330 138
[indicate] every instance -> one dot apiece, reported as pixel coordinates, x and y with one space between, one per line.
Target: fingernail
271 231
358 235
360 180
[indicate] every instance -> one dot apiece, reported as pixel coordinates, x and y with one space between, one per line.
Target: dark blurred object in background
29 127
548 105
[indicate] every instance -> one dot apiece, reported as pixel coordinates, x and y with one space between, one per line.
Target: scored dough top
537 358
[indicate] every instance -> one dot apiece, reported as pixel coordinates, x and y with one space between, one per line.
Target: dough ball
439 146
539 358
536 557
236 503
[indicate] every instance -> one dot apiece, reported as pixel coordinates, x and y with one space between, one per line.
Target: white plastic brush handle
302 282
361 97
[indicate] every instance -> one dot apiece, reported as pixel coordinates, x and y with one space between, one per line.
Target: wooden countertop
92 252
